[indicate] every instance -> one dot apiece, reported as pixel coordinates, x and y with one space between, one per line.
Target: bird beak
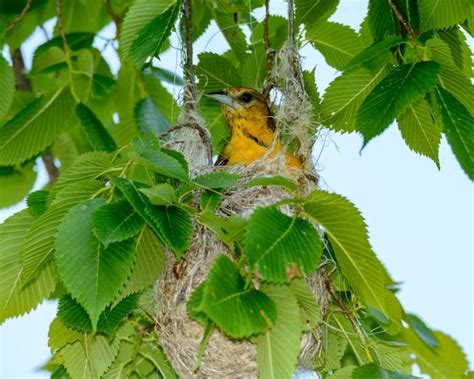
222 97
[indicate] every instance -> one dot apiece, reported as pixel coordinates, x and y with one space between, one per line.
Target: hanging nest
179 335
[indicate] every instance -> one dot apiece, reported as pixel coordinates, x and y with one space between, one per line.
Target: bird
251 125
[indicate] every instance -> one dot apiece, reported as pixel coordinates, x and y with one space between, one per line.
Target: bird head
242 103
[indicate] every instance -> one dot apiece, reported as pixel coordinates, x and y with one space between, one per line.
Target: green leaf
372 371
7 86
88 166
147 148
37 202
448 361
338 43
459 85
420 131
73 315
36 127
306 300
442 14
382 22
422 331
276 180
60 335
278 349
90 356
280 248
376 52
459 48
347 234
15 183
216 180
194 304
39 244
238 311
16 296
138 16
167 76
311 11
82 72
152 36
149 117
232 32
97 135
393 95
175 226
149 263
116 222
345 95
216 73
161 194
92 274
457 126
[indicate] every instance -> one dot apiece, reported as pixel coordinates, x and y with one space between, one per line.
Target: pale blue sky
420 219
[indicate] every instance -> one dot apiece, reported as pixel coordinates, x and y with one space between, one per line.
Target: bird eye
246 97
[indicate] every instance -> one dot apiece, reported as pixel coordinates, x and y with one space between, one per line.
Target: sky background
420 219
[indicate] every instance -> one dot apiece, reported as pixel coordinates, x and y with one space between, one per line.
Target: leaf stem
20 17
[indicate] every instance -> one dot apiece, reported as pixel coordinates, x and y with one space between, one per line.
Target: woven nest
179 335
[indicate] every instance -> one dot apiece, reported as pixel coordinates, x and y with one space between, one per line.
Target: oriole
252 128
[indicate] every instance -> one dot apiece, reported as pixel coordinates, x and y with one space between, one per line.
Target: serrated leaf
381 20
311 11
39 244
216 180
420 131
193 306
97 135
459 85
37 202
92 274
147 148
36 127
338 43
232 32
459 48
60 335
278 349
7 86
149 263
345 95
393 95
74 316
447 361
238 311
306 300
137 17
371 370
272 181
87 166
116 222
17 297
15 183
161 194
425 333
280 248
216 73
149 118
347 233
457 126
82 72
175 226
153 35
441 14
90 356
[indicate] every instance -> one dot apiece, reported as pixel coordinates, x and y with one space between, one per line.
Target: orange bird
252 128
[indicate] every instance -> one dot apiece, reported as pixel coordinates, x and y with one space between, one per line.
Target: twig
291 20
189 96
20 17
401 19
61 26
114 16
51 168
269 80
23 83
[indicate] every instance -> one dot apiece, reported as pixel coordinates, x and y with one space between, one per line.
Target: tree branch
23 83
269 80
114 16
59 17
20 17
401 19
